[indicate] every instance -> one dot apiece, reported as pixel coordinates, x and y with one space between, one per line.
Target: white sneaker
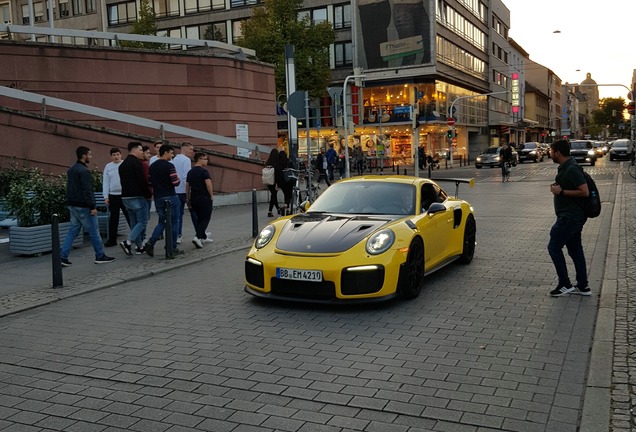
180 239
207 240
197 242
208 234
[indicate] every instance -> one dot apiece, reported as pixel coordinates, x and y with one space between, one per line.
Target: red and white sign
450 121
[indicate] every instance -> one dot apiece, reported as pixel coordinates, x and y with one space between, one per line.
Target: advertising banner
393 33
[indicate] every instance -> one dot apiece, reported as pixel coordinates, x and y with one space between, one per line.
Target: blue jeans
81 217
182 203
160 204
139 213
567 232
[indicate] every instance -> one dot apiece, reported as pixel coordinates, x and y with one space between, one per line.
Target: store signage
515 92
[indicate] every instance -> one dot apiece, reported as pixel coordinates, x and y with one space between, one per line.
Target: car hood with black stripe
327 233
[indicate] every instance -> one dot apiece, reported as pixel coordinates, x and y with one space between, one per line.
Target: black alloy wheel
412 271
470 241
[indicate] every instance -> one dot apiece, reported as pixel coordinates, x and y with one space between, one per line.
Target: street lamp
357 76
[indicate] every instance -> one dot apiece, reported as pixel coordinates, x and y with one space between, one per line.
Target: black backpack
591 204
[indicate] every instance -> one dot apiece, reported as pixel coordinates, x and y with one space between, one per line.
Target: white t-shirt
182 165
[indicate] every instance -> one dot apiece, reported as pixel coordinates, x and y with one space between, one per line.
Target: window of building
342 16
75 7
216 31
25 14
5 13
237 31
243 3
342 54
195 6
121 13
315 16
90 6
461 26
38 11
64 8
164 8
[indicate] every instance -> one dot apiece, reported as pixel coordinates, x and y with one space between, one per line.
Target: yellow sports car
364 239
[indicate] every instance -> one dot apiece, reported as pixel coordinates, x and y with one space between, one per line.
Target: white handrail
127 118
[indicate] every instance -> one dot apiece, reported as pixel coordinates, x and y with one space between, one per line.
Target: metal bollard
56 256
404 171
168 230
254 214
430 170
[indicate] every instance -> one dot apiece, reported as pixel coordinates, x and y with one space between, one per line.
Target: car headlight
533 152
497 158
591 152
264 236
478 159
380 242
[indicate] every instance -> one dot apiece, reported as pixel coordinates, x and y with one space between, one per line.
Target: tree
213 33
146 24
276 24
610 115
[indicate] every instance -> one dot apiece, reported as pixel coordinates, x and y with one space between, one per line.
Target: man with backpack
570 189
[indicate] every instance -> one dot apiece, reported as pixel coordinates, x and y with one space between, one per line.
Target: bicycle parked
300 194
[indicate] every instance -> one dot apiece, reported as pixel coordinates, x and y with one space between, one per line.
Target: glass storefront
383 125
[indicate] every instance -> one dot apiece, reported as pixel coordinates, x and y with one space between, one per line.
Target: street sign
450 121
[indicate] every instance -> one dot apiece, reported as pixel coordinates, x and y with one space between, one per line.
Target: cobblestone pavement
624 370
483 349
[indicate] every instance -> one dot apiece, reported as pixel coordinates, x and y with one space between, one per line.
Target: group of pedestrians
132 185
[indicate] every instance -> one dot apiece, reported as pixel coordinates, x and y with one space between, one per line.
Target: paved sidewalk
27 281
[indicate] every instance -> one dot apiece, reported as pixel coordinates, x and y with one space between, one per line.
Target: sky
597 36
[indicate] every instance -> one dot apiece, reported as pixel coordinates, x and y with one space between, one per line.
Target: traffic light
630 108
449 134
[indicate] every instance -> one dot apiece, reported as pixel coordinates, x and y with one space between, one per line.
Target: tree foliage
146 24
276 24
610 115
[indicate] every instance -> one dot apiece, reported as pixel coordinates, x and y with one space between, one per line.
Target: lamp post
358 76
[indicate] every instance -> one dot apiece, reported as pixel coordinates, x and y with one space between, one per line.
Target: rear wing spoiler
458 181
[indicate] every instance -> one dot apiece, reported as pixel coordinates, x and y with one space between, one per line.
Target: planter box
36 240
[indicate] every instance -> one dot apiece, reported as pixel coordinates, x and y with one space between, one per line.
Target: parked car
530 151
583 151
364 239
490 158
621 149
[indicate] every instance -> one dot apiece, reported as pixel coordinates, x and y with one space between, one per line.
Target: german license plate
299 275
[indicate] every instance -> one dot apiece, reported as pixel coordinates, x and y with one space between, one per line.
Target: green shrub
33 197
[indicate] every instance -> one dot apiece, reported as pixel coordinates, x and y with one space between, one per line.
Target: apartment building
420 59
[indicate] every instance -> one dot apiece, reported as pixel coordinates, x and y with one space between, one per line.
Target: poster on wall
393 33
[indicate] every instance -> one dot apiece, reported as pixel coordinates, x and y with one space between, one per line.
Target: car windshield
580 145
621 144
367 197
528 146
491 150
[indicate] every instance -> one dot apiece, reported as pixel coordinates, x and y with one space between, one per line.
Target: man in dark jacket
81 205
135 193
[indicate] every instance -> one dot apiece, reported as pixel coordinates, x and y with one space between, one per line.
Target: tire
470 238
611 158
592 163
412 271
478 166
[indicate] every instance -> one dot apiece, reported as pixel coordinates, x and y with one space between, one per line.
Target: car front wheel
412 271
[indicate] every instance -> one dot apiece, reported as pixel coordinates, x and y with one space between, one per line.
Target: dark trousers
181 210
567 232
201 213
115 204
273 197
322 174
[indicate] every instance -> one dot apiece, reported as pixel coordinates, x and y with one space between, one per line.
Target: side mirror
436 208
304 206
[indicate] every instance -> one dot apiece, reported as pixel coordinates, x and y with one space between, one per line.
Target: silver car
621 149
490 158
